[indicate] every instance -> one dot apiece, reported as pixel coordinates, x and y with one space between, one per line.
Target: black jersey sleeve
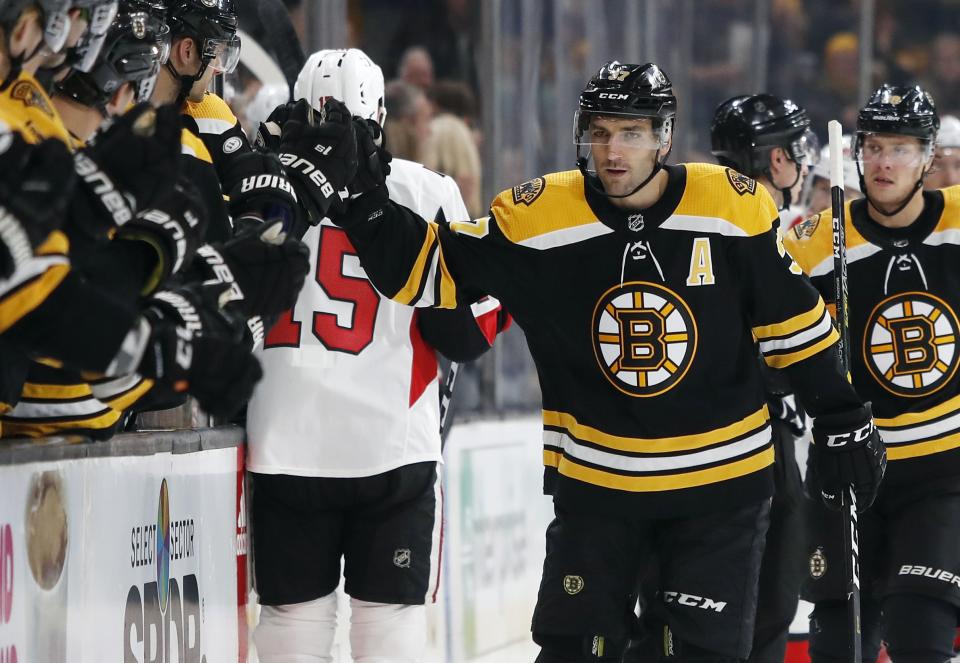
791 323
421 263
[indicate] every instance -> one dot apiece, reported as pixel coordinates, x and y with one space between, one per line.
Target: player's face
891 166
946 169
624 151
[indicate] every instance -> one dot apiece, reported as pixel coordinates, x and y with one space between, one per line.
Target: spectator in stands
416 67
945 72
456 98
946 159
408 120
450 149
835 94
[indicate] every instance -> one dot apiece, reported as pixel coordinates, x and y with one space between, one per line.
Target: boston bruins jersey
643 326
350 387
904 295
219 129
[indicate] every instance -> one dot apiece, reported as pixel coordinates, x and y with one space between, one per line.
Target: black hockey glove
127 168
269 132
36 187
320 153
174 226
196 347
373 157
268 273
847 450
259 192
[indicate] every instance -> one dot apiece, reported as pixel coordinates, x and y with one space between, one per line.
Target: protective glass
627 131
805 149
872 148
222 54
98 17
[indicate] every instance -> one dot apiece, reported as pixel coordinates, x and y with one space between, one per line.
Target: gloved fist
269 132
847 450
198 348
320 153
128 167
174 226
260 192
268 271
36 187
373 157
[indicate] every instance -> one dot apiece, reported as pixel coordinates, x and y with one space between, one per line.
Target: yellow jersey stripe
25 299
902 451
913 418
418 271
676 444
598 477
27 428
784 360
793 325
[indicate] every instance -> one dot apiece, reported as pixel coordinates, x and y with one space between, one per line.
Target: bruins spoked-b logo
527 192
572 585
910 344
644 337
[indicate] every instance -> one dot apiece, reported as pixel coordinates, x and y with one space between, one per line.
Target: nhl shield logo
635 222
528 192
572 584
401 558
818 564
741 183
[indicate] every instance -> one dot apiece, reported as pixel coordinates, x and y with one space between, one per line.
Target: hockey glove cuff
373 158
260 192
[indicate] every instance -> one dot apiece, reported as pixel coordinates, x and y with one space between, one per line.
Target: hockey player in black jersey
902 255
642 289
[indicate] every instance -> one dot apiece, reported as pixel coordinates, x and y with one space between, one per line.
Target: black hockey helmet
136 45
907 111
745 128
627 90
212 24
902 111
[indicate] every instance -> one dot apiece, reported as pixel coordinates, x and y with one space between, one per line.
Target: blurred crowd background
485 90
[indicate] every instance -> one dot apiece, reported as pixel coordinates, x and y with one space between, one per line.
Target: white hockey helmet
348 75
949 135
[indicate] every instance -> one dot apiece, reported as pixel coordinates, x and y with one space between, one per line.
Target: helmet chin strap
899 208
657 167
785 192
186 81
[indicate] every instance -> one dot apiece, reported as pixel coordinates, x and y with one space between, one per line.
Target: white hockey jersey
350 388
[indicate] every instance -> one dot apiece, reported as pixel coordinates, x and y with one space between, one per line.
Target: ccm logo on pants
694 601
929 572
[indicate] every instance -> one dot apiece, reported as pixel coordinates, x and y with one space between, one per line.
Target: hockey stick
446 397
851 558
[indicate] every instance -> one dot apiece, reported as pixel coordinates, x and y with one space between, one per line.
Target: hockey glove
373 157
269 132
268 274
259 192
127 168
174 226
35 189
847 450
320 153
195 347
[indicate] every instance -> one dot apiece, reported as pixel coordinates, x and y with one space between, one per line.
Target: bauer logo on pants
910 344
572 584
401 558
644 338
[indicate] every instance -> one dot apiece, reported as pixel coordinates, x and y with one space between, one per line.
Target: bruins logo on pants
644 338
910 344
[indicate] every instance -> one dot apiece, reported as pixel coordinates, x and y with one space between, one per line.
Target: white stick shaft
835 132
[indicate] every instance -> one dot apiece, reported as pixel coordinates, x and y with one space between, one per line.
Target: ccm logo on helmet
613 95
694 601
854 437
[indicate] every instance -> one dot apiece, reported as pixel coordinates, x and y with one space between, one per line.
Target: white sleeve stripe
703 224
565 236
209 125
854 254
428 296
822 328
29 270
